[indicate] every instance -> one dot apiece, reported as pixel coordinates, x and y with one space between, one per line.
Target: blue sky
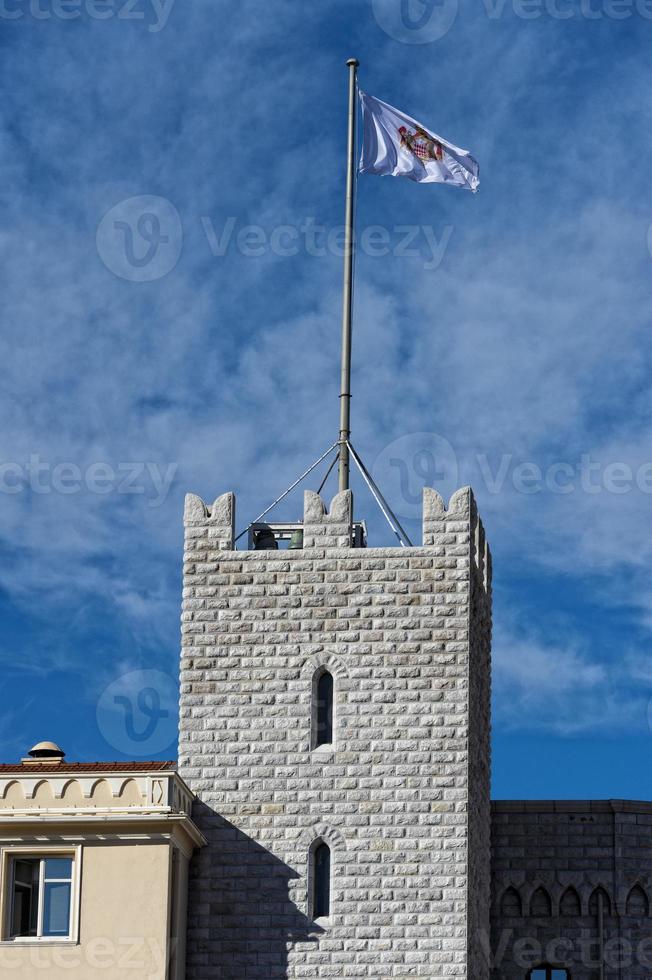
507 340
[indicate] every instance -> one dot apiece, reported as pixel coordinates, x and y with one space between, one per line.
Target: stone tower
398 792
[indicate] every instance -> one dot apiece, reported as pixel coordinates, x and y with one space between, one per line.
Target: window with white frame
40 896
546 972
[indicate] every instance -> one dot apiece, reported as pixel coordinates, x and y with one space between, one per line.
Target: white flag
398 145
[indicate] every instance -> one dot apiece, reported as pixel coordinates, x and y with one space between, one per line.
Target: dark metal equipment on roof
270 537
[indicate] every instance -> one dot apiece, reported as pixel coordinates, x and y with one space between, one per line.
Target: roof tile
25 769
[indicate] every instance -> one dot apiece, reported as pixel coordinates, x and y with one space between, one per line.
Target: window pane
325 709
26 871
56 909
559 975
538 975
24 904
58 868
322 896
21 913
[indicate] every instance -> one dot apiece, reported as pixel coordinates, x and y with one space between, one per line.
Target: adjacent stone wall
402 799
554 864
480 748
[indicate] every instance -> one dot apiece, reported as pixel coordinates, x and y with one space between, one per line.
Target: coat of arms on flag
421 143
397 145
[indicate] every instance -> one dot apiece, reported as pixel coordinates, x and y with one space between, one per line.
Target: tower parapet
398 774
327 529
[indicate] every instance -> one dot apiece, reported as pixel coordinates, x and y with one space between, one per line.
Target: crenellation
405 635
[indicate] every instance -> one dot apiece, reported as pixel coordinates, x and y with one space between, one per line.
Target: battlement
457 525
399 794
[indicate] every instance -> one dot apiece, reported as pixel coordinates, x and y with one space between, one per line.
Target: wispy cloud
530 340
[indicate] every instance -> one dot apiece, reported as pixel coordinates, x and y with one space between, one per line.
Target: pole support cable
328 473
390 517
289 490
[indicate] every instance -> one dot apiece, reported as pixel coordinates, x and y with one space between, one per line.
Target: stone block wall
402 798
571 886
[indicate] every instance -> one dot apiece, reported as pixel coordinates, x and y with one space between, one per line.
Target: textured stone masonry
551 860
403 797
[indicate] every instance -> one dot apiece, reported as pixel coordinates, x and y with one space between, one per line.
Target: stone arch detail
510 903
42 792
592 902
540 904
570 904
130 793
638 901
72 792
312 670
101 789
13 794
325 661
323 831
527 891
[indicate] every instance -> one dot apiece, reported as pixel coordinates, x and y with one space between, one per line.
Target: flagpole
347 306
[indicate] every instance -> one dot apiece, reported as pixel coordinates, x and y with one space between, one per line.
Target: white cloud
530 340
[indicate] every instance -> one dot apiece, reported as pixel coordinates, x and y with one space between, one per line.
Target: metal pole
349 245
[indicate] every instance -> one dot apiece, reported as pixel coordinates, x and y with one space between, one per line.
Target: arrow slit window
321 881
323 692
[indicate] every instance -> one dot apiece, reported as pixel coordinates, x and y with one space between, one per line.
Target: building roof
53 768
571 806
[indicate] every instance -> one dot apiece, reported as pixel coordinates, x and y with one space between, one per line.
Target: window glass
58 868
24 906
56 909
26 871
322 881
325 709
547 973
41 897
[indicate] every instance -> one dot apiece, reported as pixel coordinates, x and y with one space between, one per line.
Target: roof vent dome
46 752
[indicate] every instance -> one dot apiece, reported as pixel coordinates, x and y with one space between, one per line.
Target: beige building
93 868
